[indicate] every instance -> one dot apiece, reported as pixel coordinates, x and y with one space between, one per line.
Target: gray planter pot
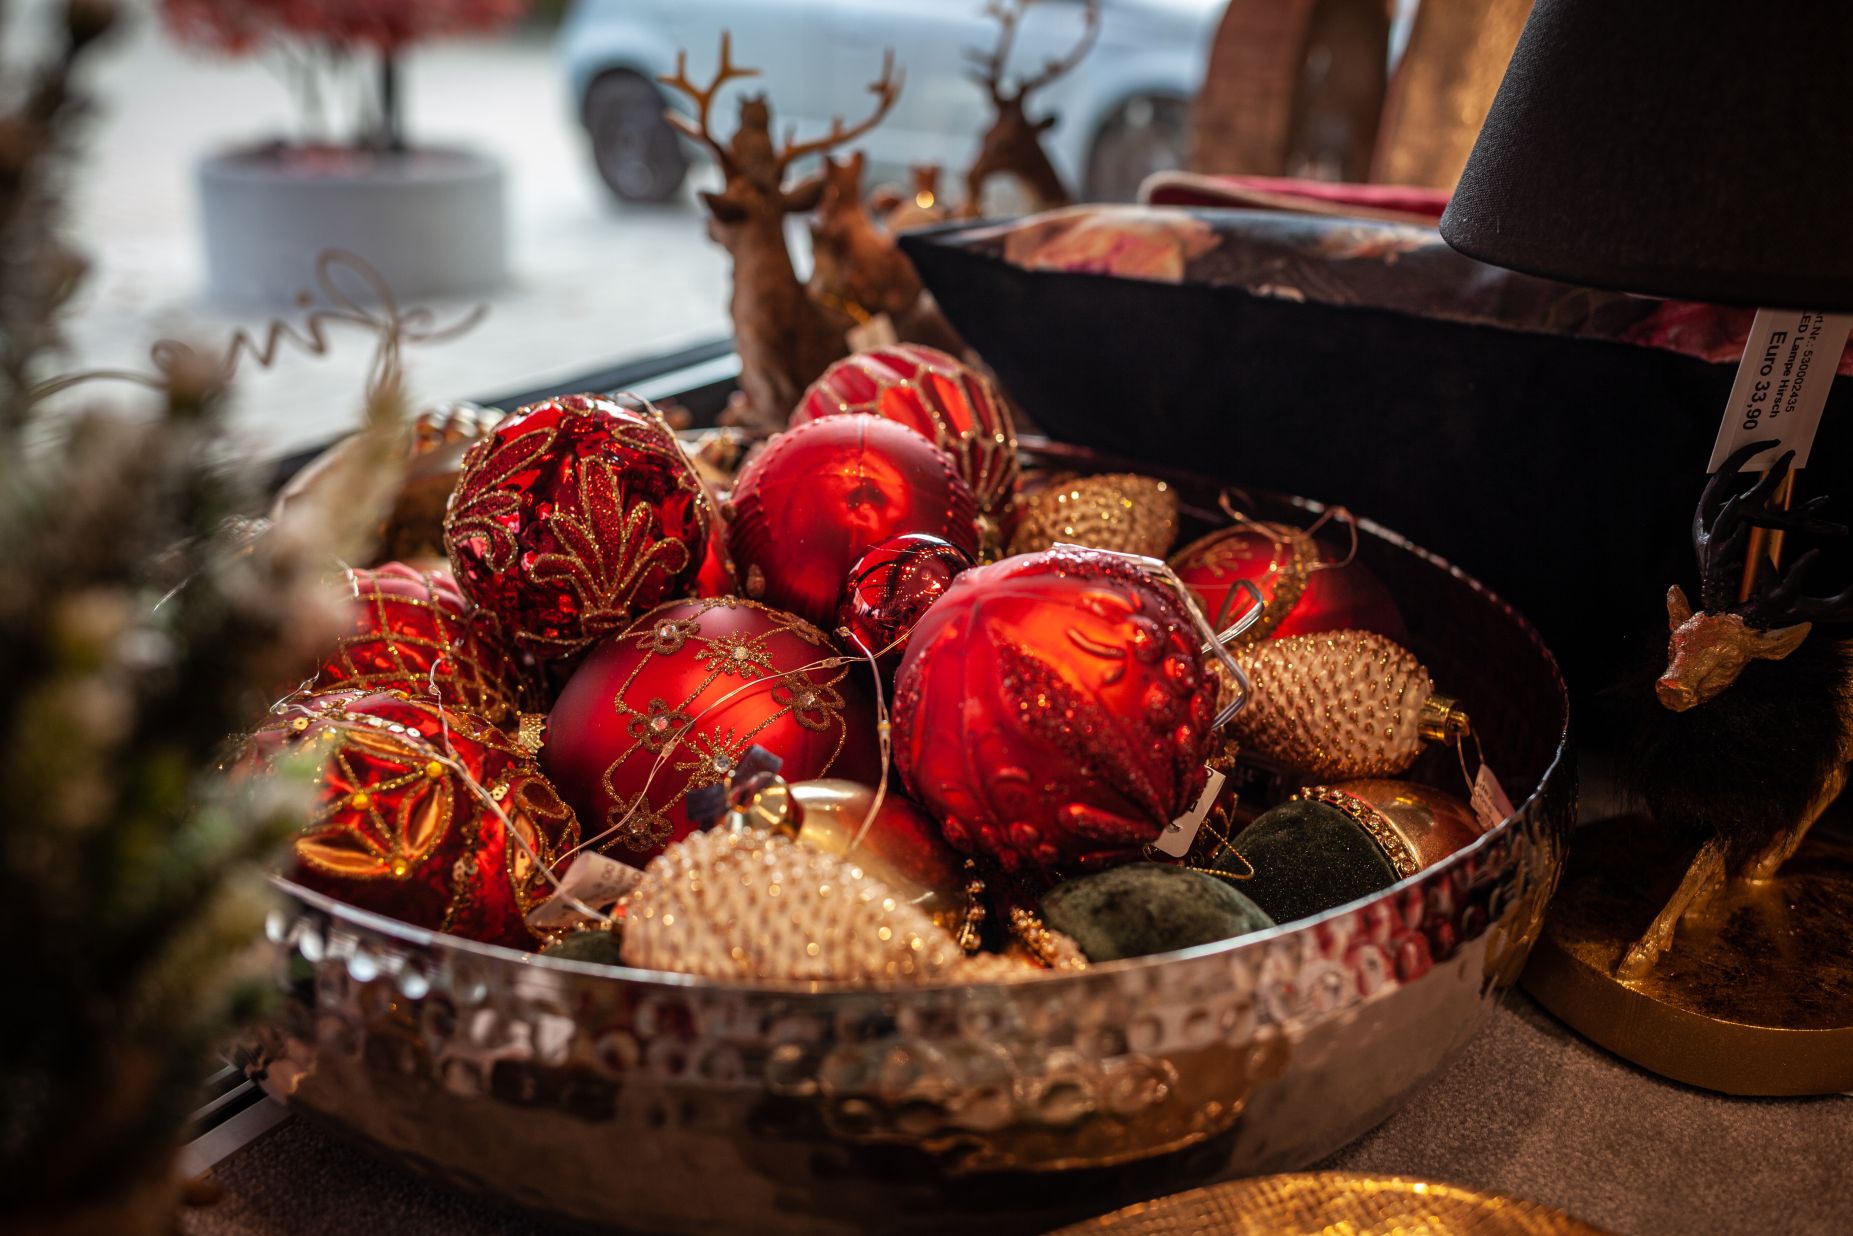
432 221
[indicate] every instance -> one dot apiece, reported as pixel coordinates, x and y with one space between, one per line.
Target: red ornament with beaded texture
397 828
570 517
671 704
413 631
1054 711
821 495
940 397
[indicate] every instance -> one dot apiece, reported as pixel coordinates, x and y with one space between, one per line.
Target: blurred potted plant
430 219
141 624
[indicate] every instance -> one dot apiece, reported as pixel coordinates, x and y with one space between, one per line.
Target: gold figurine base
1754 997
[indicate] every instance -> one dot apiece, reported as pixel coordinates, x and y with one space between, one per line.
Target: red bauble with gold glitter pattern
570 517
940 397
821 495
671 703
397 828
1054 711
412 631
1303 589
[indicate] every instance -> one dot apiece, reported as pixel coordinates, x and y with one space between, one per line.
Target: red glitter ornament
821 495
413 631
397 828
1306 585
893 584
1054 711
570 517
952 405
672 703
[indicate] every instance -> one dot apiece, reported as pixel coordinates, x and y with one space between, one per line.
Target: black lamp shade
1700 150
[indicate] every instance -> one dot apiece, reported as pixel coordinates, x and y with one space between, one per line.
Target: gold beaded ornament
753 904
1119 511
1342 704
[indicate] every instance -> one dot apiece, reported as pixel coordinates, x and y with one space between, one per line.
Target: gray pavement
594 283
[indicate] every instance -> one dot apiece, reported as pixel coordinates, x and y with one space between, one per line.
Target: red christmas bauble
821 495
952 405
893 584
412 631
397 828
669 706
1054 711
569 518
1299 600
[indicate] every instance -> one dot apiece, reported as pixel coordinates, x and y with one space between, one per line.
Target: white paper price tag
1782 383
1490 803
1178 834
594 881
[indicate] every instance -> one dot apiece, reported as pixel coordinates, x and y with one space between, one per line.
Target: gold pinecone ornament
1342 704
752 904
1120 511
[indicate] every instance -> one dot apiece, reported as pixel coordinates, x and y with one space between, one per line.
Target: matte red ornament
940 397
396 827
412 631
672 703
893 584
1300 596
823 494
570 517
1054 711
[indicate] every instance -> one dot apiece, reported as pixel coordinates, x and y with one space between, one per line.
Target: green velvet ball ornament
590 945
1145 908
1307 858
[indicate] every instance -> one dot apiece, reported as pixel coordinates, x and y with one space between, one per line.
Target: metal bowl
631 1099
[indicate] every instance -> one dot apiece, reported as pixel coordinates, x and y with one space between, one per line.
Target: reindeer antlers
988 71
886 89
703 98
1721 526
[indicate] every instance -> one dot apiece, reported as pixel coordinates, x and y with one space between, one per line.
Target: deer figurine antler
1758 721
785 341
1013 145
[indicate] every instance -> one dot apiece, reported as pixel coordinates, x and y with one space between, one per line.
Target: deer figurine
1758 722
784 339
857 270
1013 143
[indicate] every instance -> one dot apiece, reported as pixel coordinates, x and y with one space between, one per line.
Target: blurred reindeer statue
1013 144
1758 726
785 340
859 276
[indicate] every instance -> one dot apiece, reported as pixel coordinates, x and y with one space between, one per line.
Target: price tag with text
1782 383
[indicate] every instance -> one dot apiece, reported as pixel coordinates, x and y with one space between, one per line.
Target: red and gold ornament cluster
1053 712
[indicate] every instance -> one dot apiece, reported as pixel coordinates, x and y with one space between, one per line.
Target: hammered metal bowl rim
427 938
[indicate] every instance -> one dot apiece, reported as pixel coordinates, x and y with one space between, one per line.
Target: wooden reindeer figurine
1013 143
857 270
1758 726
784 339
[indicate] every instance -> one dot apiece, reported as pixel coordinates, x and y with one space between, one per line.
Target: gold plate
1754 998
1315 1203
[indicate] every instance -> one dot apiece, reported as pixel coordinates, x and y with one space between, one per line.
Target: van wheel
639 156
1145 134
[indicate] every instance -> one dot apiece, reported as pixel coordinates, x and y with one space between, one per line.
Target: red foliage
240 27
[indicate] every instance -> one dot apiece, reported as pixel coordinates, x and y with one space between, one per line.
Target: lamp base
1754 997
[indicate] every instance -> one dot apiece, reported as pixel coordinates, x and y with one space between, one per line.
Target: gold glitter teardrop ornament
1120 511
751 904
1342 704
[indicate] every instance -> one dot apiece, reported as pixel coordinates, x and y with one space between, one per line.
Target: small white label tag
593 880
1178 835
877 332
1782 384
1490 803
